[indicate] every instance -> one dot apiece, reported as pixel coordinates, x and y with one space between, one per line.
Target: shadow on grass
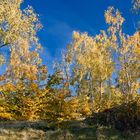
81 130
72 130
38 125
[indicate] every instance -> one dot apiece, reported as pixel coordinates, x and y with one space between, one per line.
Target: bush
123 117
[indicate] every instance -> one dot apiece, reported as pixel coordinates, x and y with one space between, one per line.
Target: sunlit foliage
97 74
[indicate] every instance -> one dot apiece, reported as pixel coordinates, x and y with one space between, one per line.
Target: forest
93 90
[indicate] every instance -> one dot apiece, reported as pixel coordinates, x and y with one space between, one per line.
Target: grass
75 130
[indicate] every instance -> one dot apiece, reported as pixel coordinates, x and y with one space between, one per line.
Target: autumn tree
93 62
96 59
24 71
18 30
127 51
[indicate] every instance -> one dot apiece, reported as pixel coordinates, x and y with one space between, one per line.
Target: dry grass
70 131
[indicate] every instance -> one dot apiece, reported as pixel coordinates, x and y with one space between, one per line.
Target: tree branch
4 45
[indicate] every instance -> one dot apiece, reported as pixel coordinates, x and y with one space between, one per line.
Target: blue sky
61 17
